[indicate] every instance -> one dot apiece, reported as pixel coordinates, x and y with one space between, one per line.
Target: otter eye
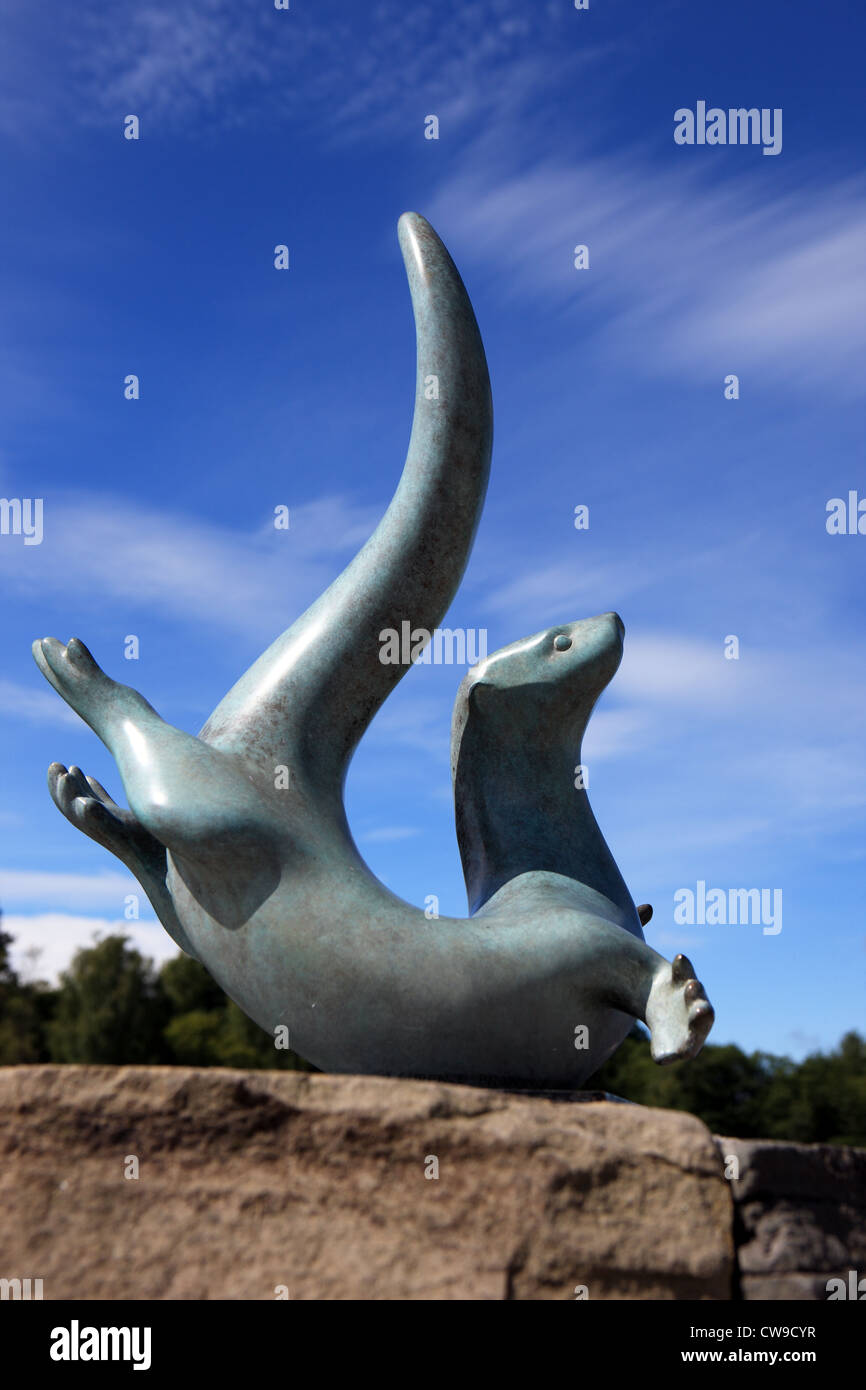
562 643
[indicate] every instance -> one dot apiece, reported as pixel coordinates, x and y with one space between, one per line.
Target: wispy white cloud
693 276
173 61
671 670
45 943
754 763
177 565
614 733
561 588
34 705
414 719
81 893
348 71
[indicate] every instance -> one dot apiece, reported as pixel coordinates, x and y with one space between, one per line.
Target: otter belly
385 991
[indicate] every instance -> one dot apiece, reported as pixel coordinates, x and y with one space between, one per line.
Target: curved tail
306 702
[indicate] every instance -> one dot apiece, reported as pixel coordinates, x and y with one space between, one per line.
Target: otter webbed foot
101 702
678 1012
87 805
73 673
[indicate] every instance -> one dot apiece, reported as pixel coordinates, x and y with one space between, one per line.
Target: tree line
113 1006
750 1095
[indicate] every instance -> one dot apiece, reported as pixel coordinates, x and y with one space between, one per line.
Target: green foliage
189 987
195 1037
20 1030
111 1008
750 1095
24 1012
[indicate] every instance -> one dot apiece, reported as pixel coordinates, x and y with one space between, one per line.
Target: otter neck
525 813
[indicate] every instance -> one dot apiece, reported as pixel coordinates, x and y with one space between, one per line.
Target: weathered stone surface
252 1180
800 1216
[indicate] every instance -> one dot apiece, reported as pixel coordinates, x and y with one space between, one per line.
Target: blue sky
259 387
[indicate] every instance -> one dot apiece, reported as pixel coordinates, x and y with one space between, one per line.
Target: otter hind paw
88 806
75 675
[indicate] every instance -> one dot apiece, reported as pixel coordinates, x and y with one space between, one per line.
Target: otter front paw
678 1014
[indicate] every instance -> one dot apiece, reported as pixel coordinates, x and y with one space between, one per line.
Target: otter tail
306 702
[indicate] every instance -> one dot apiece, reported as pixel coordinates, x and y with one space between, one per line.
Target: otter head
538 692
519 719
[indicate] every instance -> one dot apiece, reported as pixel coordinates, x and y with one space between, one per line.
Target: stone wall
799 1217
254 1185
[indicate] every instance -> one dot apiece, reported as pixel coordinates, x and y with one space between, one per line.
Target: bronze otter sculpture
239 836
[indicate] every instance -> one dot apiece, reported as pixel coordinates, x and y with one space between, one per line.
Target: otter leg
87 805
665 996
191 798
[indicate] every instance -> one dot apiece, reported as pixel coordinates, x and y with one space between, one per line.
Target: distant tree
8 978
194 1038
111 1007
24 1011
850 1117
826 1101
752 1095
188 986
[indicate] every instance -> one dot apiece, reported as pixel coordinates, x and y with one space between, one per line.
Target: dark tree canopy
751 1095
